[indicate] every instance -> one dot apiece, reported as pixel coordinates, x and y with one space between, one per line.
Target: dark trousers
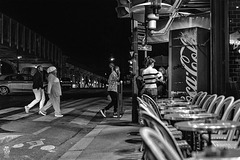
114 101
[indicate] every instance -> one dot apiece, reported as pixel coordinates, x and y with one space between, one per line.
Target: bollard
120 99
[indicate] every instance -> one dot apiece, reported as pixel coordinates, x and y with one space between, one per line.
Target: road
35 137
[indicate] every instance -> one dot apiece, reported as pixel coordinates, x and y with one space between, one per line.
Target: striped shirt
150 75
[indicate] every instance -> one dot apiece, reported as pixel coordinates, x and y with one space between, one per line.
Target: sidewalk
113 139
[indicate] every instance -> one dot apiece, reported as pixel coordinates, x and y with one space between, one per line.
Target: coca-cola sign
187 60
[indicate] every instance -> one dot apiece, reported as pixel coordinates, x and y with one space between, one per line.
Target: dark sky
87 31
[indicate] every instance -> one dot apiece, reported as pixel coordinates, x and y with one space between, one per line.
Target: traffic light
132 66
123 8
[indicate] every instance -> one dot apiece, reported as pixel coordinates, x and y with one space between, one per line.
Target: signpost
144 48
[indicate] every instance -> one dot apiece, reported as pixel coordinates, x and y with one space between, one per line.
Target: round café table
178 104
172 106
182 110
188 117
207 125
214 153
191 137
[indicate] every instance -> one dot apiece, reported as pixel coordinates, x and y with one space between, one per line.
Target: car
16 83
66 82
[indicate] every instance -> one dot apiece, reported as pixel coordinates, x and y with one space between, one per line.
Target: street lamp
112 59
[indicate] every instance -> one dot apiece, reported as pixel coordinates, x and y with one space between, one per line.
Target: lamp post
0 67
18 58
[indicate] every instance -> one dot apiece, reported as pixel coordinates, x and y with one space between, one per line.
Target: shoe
103 113
58 115
42 113
26 109
115 115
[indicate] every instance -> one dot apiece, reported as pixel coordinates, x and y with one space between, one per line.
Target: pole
145 54
134 85
0 67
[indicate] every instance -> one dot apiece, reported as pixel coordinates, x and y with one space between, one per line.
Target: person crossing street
54 92
113 81
38 90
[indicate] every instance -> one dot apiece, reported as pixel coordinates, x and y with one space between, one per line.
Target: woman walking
54 92
112 91
37 90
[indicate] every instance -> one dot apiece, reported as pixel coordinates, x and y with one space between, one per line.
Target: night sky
89 32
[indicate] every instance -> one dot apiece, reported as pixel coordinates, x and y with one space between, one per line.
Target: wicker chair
230 107
195 98
215 104
156 147
202 96
180 146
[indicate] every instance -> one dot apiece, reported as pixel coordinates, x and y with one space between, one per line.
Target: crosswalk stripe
68 104
41 130
51 116
3 111
35 109
85 118
16 116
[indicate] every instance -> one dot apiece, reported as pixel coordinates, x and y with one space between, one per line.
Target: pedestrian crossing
87 107
84 119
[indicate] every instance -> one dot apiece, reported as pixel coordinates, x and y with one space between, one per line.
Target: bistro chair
143 106
233 140
146 107
154 105
224 107
200 105
195 98
209 101
156 148
215 104
230 107
202 96
180 146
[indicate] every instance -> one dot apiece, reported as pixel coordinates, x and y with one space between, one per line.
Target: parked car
66 82
16 83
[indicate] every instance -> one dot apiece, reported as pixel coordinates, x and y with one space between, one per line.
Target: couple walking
53 90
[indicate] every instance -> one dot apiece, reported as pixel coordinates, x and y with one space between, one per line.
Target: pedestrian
162 83
140 83
38 90
112 89
150 77
54 92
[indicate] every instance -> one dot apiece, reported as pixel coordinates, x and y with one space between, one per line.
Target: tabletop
182 110
214 153
207 125
184 117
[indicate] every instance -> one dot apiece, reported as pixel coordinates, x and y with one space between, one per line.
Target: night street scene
119 80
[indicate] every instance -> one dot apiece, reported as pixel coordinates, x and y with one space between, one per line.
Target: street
32 136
